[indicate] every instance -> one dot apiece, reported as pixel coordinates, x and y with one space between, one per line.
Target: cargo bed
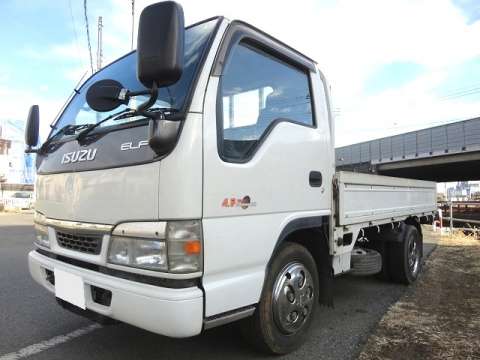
366 198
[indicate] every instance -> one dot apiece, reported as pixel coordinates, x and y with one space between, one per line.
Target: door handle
315 178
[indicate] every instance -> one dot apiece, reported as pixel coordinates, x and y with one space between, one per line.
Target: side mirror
163 135
160 44
32 128
104 95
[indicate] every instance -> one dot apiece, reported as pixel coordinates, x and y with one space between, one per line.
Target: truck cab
190 183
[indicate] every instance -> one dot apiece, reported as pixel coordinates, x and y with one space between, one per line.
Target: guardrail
470 221
473 230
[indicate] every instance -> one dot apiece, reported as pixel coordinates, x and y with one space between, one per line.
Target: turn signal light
193 247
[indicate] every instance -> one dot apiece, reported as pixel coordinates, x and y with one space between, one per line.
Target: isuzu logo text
80 155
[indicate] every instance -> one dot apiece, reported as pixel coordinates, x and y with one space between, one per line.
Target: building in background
16 167
463 191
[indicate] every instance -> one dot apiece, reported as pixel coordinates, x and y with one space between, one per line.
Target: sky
393 66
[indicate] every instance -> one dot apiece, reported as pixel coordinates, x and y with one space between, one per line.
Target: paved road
29 316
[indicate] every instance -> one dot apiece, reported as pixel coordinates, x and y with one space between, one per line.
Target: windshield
124 70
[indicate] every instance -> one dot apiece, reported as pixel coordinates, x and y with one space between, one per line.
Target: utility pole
133 22
99 44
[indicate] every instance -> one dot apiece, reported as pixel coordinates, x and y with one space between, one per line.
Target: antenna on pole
99 44
133 22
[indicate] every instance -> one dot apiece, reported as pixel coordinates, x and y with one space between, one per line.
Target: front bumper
165 311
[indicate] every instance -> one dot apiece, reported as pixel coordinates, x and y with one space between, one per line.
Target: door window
257 91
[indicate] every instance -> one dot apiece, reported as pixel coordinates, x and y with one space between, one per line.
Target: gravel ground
439 318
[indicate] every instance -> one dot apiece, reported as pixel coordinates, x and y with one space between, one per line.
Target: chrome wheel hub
413 256
293 297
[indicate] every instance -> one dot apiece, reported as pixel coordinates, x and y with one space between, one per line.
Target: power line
471 89
460 94
73 24
88 34
461 88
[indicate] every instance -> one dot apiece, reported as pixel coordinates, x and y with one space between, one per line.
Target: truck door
267 161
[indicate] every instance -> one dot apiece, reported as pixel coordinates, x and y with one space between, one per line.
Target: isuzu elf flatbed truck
192 183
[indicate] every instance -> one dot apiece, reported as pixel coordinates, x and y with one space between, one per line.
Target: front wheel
289 300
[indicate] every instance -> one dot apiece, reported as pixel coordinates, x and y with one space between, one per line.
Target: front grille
86 243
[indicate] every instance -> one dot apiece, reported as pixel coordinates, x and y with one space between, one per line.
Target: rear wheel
405 256
288 303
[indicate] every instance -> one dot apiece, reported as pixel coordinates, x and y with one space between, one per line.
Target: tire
366 262
378 243
405 256
278 326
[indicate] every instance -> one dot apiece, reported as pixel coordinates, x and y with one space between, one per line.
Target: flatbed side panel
364 197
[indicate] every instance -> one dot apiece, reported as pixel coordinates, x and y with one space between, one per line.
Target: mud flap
325 274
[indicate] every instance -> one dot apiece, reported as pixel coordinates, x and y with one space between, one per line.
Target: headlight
175 247
137 252
41 230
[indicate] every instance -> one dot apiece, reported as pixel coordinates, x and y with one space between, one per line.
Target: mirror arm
30 150
141 92
143 108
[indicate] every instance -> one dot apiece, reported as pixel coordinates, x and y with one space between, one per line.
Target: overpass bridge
442 153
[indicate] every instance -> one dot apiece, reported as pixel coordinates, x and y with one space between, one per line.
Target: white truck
192 183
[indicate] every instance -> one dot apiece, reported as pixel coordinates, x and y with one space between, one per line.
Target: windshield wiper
117 116
66 130
126 113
